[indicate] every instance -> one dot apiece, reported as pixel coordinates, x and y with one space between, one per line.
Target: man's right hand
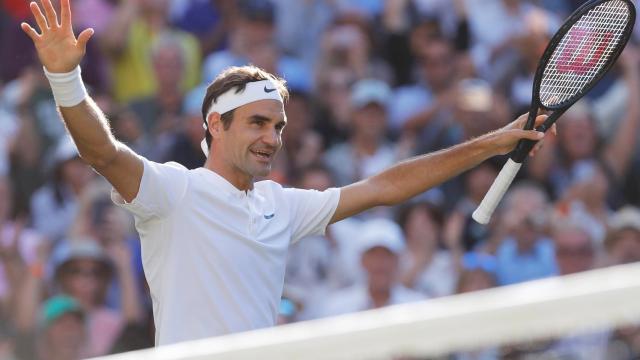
58 49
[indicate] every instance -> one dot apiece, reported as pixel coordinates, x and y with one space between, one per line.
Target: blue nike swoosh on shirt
269 216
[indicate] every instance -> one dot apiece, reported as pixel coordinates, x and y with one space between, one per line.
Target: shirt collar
223 183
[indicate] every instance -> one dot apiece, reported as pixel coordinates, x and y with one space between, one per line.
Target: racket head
581 52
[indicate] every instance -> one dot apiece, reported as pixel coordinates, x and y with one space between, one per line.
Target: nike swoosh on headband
269 216
268 90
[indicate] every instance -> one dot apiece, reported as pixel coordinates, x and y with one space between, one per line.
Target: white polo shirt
214 256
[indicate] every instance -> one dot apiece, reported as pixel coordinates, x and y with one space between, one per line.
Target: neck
365 145
379 297
237 178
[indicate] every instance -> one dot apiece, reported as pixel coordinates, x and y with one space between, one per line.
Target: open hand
57 47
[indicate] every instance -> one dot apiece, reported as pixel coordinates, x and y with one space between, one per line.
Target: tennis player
214 242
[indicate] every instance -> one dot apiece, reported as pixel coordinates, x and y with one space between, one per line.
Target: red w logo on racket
583 51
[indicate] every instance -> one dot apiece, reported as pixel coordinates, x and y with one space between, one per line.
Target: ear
215 125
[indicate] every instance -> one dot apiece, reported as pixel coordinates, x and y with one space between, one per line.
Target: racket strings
584 50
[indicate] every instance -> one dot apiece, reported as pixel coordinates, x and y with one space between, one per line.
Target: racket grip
496 192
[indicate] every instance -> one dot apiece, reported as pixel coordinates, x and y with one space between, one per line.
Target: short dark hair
236 77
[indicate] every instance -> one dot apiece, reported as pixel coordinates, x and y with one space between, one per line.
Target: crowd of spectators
372 82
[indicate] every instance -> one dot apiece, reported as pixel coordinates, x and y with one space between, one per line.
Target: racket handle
496 192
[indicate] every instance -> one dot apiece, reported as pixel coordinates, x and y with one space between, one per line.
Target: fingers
84 37
37 14
52 18
31 32
530 134
539 120
65 14
536 148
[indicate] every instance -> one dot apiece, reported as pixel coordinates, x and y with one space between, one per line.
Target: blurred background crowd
372 82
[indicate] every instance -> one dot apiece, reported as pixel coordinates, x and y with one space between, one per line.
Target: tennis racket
584 48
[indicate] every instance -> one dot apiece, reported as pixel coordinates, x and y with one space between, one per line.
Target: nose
273 138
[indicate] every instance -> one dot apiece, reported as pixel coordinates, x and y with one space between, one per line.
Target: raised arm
60 53
416 175
619 151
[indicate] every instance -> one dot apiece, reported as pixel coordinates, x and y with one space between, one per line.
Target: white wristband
68 89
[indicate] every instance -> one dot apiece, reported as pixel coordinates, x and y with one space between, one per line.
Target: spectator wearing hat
381 244
576 251
54 206
83 271
57 331
63 329
623 240
623 247
367 151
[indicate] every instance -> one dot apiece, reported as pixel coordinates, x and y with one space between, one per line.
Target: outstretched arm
60 53
416 175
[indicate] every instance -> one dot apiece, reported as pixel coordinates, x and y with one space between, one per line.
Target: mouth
263 155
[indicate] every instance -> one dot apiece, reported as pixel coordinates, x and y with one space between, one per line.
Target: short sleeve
311 210
162 187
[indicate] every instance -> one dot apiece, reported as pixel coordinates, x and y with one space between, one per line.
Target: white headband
253 91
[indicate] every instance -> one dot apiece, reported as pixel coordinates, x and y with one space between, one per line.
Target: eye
258 122
280 126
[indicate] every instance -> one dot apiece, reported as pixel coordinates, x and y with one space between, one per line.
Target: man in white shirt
380 243
214 242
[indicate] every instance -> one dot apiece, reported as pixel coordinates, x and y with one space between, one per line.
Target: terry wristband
68 89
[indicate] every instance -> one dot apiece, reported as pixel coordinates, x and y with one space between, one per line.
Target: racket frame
525 146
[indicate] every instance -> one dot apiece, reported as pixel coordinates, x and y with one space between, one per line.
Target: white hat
369 91
626 218
381 232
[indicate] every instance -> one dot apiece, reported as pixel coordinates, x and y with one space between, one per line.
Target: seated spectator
63 330
367 151
623 239
478 273
83 271
526 253
54 206
320 265
381 244
128 41
574 248
426 265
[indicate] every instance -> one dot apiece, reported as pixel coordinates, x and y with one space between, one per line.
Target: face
578 137
370 121
381 265
422 230
76 173
574 252
626 248
250 144
437 61
65 337
168 66
84 279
